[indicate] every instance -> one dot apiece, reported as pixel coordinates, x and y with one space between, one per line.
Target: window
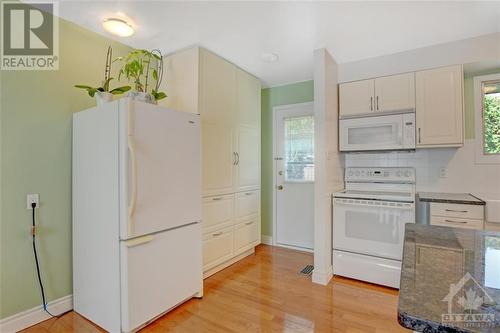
299 149
487 118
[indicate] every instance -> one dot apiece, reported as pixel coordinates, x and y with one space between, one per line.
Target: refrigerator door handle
139 240
133 169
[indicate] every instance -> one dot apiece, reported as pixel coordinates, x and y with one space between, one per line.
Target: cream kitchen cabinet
384 94
395 93
228 100
439 107
457 215
356 97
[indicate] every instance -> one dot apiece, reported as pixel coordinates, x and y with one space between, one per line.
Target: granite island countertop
455 198
450 280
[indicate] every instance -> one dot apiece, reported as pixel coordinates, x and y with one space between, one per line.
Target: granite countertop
456 198
450 280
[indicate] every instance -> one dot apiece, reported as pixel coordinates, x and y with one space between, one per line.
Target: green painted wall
300 92
469 100
36 109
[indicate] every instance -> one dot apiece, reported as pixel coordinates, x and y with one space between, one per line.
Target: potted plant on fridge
103 93
145 70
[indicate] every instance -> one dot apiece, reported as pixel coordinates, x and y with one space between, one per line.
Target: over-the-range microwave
380 132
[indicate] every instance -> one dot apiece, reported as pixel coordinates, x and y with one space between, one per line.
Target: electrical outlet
443 172
32 198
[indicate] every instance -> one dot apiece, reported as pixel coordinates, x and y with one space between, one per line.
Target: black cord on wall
33 234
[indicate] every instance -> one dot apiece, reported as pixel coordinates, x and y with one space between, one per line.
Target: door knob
280 173
280 187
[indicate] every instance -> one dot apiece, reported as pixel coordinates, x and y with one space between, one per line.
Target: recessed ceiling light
269 57
118 27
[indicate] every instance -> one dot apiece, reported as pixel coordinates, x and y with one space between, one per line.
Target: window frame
480 156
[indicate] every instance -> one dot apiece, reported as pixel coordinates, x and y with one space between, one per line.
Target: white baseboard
322 277
266 239
33 316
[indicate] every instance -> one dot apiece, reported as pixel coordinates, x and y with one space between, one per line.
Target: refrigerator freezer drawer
159 271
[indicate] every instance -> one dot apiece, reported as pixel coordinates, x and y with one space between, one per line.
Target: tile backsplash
462 173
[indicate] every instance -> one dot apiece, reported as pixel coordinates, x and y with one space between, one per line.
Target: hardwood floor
265 293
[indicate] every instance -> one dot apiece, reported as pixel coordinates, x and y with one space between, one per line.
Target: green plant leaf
92 92
158 95
81 86
120 90
155 74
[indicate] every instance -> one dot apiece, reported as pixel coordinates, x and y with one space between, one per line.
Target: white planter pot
103 97
141 96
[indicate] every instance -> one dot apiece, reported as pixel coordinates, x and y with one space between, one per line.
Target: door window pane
299 148
491 117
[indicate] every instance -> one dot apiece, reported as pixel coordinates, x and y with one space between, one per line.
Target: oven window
375 134
372 226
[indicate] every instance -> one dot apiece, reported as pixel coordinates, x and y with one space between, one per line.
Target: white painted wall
459 52
328 161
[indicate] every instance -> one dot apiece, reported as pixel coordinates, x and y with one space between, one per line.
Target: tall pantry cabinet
228 100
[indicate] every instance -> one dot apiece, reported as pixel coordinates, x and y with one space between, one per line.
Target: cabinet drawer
457 222
247 203
217 247
217 212
458 210
245 235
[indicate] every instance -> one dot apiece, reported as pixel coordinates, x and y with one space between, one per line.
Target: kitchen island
450 280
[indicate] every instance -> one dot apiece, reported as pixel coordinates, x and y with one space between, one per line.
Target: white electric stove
369 219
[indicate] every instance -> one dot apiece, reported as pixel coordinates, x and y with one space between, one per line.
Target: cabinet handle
237 158
248 223
371 103
234 156
377 103
419 136
457 211
217 199
248 193
217 234
451 221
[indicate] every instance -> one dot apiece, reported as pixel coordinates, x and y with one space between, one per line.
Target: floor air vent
307 270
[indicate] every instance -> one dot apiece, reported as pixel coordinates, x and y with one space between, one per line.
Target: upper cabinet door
218 90
247 127
394 93
248 98
248 158
217 108
357 97
439 106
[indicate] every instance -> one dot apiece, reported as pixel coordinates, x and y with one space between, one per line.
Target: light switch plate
32 198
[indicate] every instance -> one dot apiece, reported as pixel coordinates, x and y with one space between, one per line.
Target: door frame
275 149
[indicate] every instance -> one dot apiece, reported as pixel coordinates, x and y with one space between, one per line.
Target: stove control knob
399 173
407 173
351 173
357 173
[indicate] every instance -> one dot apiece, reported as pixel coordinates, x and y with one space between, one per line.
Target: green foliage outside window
491 123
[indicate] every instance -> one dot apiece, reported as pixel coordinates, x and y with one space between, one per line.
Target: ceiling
242 31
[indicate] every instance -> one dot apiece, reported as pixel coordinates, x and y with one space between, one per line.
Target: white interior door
294 176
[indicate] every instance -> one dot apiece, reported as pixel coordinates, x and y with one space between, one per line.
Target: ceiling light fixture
269 57
118 27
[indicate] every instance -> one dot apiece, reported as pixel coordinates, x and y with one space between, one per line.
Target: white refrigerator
137 246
